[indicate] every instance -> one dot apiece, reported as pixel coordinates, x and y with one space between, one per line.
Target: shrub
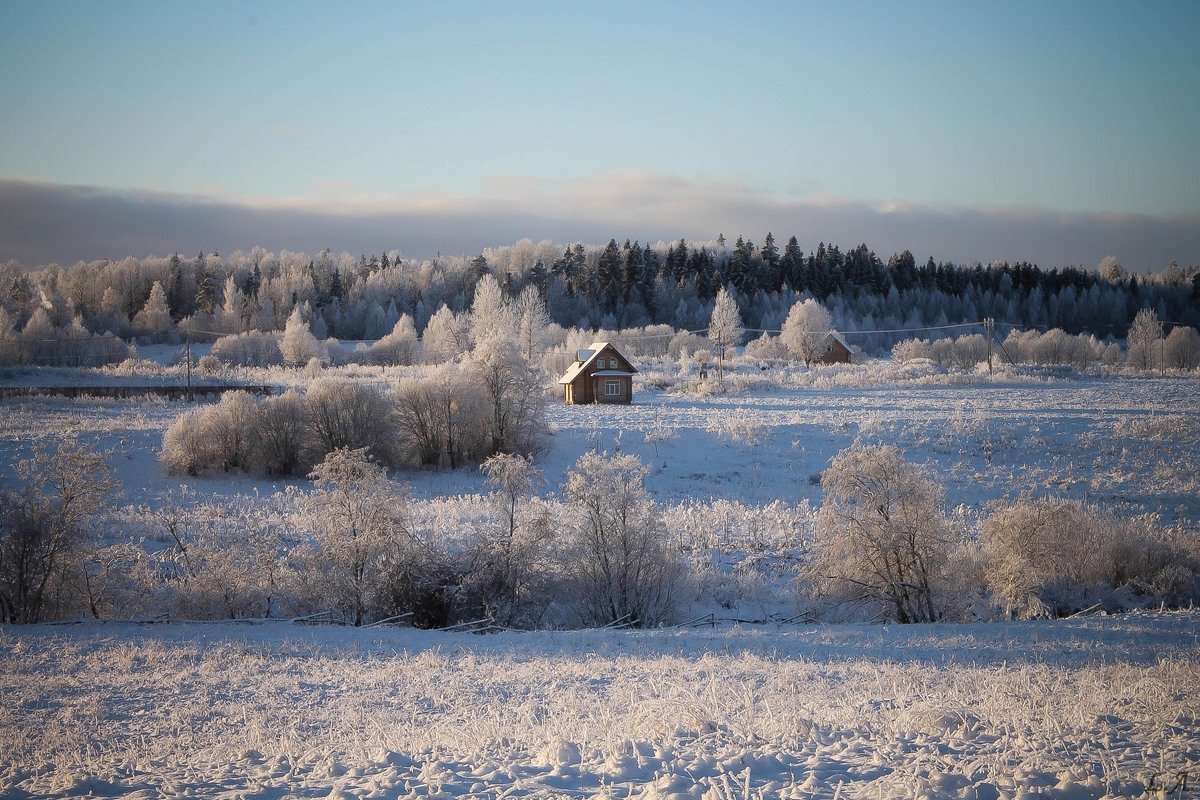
882 542
1052 557
622 566
250 349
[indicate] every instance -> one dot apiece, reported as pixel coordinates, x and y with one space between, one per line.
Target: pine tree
155 316
772 278
792 265
206 286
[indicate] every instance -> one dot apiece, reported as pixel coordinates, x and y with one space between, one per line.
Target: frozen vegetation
1072 709
768 577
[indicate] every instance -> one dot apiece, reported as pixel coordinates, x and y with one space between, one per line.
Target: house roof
611 373
837 337
586 356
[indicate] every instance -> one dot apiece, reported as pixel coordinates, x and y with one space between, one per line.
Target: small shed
600 374
837 351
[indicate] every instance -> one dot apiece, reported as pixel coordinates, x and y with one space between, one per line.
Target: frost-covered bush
767 347
218 438
882 543
622 566
209 365
1052 557
398 347
1181 350
358 519
250 349
441 418
741 427
280 437
43 537
347 415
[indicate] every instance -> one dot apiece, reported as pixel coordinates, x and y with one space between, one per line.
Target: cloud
43 222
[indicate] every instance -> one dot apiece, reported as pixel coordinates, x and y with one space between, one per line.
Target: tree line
610 286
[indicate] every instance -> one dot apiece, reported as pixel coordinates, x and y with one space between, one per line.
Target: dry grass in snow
1084 708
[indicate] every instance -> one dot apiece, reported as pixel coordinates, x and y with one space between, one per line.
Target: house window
612 388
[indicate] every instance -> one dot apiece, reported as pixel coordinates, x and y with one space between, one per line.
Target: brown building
600 374
836 350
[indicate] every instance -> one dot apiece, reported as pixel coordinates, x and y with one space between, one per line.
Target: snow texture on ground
1064 710
1127 441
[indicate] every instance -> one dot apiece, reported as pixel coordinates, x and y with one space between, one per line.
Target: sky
1054 132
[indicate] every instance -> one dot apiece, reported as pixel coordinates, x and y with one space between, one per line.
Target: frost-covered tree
515 397
622 568
806 330
491 317
43 525
882 541
298 345
399 346
155 316
446 337
725 327
1182 348
358 518
1111 270
1144 340
509 567
533 323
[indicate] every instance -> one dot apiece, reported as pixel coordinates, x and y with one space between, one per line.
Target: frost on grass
1072 709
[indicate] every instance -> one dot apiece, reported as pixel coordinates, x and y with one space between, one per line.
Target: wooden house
837 351
600 374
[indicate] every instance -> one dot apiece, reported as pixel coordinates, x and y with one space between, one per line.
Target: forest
616 286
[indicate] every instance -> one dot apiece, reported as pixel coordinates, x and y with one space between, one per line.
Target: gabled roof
587 356
837 337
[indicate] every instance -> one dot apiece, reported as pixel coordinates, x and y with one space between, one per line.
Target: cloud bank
44 223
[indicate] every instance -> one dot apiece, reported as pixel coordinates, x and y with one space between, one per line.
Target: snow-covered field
1066 710
1070 709
1122 440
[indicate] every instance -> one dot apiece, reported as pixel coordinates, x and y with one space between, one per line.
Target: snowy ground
1066 710
1122 440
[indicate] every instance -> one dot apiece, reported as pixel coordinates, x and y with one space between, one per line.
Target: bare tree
881 536
806 330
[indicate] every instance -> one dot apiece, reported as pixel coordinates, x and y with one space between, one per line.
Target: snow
1121 440
1071 709
1075 709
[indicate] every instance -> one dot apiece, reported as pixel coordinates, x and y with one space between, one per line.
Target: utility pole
989 326
1162 349
187 343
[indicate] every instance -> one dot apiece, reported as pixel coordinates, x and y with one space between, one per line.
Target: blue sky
1013 109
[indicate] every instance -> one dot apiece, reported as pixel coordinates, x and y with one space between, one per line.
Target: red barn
600 374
